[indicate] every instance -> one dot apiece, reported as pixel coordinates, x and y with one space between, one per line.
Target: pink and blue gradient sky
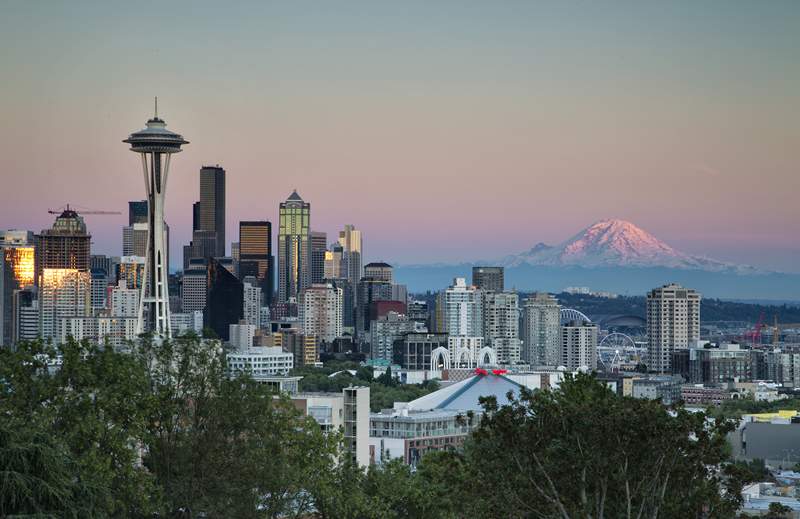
446 131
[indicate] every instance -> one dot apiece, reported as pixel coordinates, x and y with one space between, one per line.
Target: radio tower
156 145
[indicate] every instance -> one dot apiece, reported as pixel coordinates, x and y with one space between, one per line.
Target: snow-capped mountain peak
613 243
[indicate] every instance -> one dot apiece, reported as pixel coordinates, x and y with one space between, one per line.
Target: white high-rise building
579 345
241 335
673 322
187 322
63 293
124 300
541 334
320 310
501 325
463 310
251 304
356 423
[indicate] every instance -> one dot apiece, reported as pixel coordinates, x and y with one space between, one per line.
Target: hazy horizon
459 131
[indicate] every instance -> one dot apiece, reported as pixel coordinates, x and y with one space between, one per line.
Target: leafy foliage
737 408
163 432
384 390
581 451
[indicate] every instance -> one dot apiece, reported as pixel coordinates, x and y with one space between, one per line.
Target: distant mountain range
615 255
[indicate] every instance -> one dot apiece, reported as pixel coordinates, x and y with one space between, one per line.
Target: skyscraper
251 293
541 334
488 278
463 310
579 345
501 325
351 243
255 256
16 273
319 246
369 291
212 205
293 247
380 271
155 144
320 309
333 262
673 322
137 211
134 239
63 293
225 299
64 246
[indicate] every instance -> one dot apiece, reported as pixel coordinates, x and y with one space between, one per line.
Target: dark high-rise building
255 256
418 311
413 351
225 299
319 245
196 216
491 279
380 271
369 291
64 246
202 246
212 204
294 251
137 211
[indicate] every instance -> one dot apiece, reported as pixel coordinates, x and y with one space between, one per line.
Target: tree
778 511
37 472
90 410
582 451
226 447
386 491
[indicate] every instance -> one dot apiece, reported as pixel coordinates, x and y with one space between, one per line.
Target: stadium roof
465 395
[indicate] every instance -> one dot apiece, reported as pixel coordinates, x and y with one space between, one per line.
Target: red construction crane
68 208
754 335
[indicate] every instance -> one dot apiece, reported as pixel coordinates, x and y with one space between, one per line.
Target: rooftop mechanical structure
155 144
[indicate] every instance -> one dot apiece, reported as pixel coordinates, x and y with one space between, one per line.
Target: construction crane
68 208
776 332
755 334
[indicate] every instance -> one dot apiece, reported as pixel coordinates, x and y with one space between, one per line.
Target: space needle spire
155 144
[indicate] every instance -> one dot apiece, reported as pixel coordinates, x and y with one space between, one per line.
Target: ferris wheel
619 342
617 348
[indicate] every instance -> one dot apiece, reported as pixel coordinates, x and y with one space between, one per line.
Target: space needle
156 145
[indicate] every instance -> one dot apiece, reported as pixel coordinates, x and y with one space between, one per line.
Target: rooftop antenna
156 107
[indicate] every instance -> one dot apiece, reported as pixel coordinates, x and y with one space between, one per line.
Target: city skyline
522 108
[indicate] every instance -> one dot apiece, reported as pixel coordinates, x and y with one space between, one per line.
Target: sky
446 131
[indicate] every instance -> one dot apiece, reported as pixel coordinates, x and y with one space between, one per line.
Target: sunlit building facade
63 294
17 268
294 252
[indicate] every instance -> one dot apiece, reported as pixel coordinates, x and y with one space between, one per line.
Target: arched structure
463 358
440 356
487 354
570 314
